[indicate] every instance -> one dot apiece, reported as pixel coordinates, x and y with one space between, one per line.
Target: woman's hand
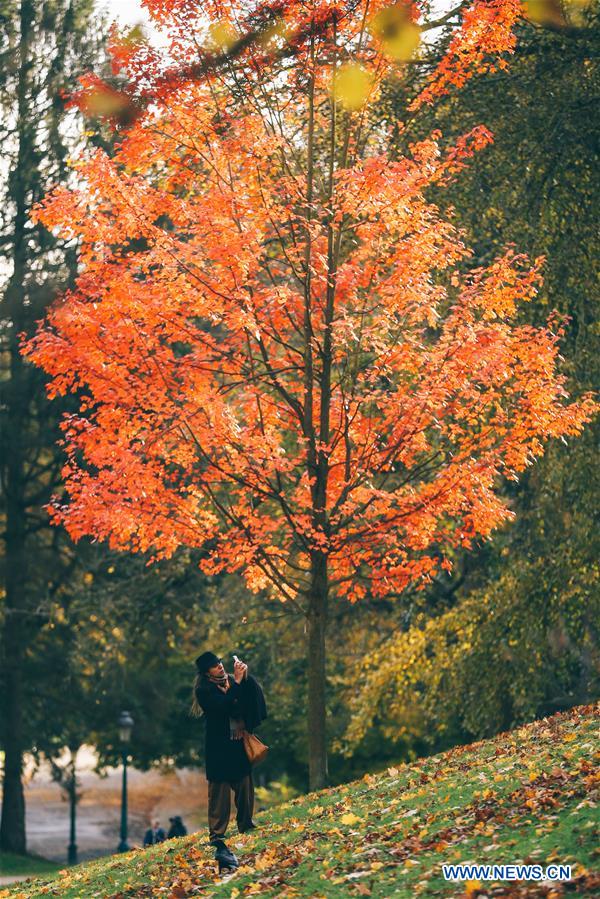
240 670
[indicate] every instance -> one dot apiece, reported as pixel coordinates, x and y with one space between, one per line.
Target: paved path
151 795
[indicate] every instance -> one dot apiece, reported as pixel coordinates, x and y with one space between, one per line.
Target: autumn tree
279 350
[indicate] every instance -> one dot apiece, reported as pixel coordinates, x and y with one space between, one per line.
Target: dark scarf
221 681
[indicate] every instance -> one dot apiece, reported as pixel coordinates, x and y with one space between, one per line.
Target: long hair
196 710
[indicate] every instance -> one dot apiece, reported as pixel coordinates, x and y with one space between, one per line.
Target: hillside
527 796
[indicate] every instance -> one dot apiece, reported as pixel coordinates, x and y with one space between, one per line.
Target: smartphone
235 659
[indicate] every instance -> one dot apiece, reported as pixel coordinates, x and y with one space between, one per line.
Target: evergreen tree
45 45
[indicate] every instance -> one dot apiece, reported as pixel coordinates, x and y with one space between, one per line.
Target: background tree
138 630
515 635
44 46
276 352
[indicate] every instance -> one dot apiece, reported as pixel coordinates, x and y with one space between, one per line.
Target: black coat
226 759
177 829
255 709
150 837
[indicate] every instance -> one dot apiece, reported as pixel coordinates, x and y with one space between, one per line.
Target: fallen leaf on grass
349 818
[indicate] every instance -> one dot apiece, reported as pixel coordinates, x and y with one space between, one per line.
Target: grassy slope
527 795
29 864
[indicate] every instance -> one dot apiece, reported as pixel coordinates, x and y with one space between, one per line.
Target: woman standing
231 705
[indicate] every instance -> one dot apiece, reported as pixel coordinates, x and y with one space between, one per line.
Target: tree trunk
317 710
12 827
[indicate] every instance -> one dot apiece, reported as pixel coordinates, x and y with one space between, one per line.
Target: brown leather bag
255 748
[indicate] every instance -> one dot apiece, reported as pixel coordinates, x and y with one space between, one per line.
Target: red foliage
275 339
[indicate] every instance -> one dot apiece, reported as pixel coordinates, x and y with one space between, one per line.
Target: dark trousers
219 805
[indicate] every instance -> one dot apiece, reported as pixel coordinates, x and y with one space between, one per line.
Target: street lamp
125 727
71 788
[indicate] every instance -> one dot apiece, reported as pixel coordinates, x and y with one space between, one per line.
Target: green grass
530 795
24 864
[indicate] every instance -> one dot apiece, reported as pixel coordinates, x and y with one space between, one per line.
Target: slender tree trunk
317 687
317 598
12 826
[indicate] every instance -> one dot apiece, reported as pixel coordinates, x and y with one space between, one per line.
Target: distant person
177 828
231 705
154 834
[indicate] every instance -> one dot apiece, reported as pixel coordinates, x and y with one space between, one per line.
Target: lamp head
125 727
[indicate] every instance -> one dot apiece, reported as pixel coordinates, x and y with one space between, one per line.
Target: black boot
224 856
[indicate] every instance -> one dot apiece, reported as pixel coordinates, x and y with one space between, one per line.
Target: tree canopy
280 351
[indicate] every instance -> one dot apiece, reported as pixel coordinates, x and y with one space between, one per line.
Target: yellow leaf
222 35
349 818
398 35
543 12
265 860
351 85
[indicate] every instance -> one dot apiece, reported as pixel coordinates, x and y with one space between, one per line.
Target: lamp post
71 785
125 727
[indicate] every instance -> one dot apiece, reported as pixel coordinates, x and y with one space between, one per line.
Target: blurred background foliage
515 632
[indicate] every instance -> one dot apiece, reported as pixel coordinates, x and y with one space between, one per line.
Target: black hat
205 661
